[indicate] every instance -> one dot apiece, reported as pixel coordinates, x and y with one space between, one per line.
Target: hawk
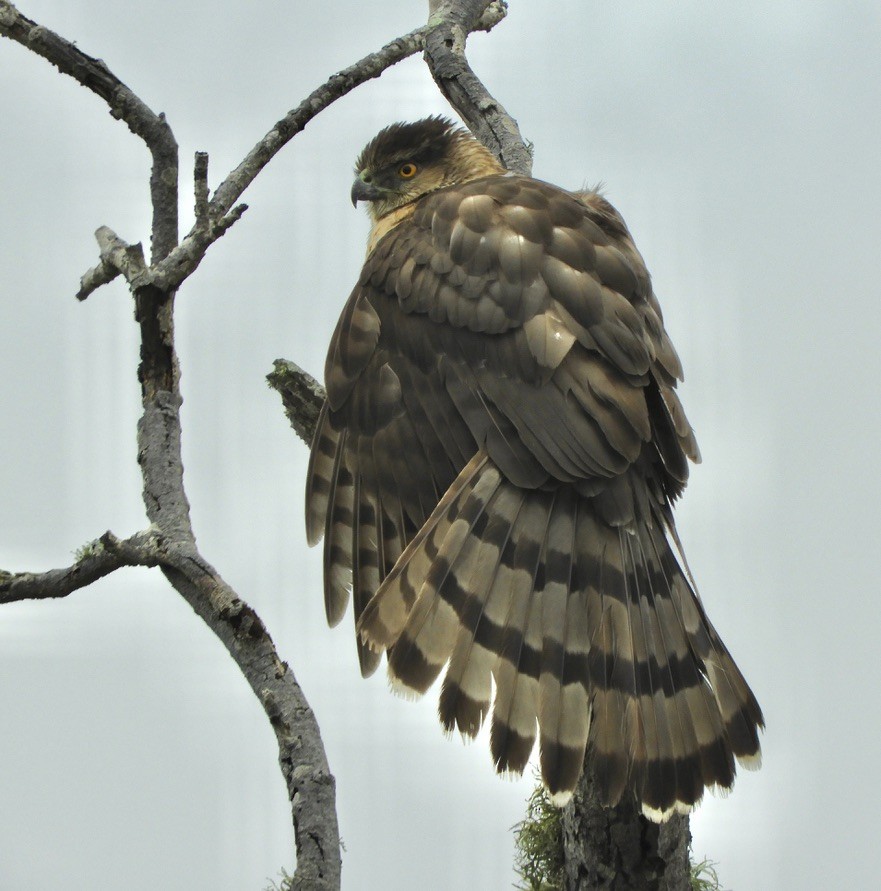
493 473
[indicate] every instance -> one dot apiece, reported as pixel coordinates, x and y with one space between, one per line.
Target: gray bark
618 849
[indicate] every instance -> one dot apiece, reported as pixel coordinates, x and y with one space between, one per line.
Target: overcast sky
741 143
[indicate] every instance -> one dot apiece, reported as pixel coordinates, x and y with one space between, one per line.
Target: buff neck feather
467 159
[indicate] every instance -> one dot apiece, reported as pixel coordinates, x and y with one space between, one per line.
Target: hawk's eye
407 170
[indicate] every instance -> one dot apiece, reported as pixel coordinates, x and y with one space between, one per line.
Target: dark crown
421 141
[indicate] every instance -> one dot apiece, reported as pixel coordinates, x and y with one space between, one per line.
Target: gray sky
740 141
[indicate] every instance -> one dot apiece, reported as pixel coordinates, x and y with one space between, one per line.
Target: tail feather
686 618
592 578
593 634
426 641
645 730
662 789
690 711
734 701
738 715
467 689
519 643
620 745
385 616
670 648
562 697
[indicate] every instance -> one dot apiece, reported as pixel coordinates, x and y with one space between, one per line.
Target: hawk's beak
362 191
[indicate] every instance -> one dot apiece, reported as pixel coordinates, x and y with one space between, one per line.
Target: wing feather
338 538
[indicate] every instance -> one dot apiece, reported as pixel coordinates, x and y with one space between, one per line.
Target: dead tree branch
450 23
301 754
337 86
169 543
301 395
94 560
610 848
187 256
124 105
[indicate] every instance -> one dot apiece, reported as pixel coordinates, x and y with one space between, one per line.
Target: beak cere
362 191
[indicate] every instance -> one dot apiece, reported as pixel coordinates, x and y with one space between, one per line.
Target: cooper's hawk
493 474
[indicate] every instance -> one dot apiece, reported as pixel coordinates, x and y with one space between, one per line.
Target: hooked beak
362 191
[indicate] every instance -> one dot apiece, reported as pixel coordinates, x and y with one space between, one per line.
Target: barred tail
593 635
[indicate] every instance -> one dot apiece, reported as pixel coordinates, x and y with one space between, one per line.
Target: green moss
89 549
704 876
284 883
539 840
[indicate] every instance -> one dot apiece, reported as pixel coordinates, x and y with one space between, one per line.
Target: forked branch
169 542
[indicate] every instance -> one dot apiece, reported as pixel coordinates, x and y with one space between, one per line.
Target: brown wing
501 444
535 311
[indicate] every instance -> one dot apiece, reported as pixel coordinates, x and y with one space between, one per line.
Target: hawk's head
403 162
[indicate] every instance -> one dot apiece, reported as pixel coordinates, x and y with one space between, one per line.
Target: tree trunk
618 849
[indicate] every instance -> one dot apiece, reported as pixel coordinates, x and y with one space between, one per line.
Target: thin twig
200 187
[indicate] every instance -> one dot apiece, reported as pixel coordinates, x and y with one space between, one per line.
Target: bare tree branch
301 395
117 258
311 787
310 784
214 217
152 128
95 560
449 25
337 86
94 278
171 542
184 260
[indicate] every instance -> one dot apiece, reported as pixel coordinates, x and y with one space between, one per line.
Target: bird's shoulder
534 308
503 253
491 253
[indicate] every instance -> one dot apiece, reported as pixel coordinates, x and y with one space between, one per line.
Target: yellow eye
407 170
